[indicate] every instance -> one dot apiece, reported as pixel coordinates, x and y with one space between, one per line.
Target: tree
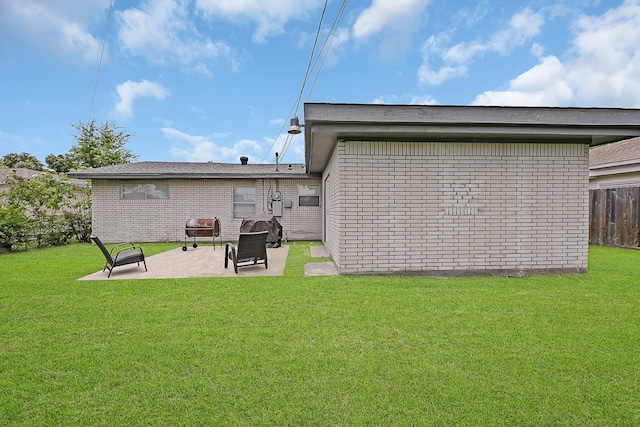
45 201
22 160
77 218
48 207
100 146
61 163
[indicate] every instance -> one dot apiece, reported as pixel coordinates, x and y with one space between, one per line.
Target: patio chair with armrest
120 254
251 250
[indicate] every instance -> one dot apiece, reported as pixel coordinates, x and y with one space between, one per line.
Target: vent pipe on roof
244 160
276 162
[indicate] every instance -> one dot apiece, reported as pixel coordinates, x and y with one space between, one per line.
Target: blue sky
211 80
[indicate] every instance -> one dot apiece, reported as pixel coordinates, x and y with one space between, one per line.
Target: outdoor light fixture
294 129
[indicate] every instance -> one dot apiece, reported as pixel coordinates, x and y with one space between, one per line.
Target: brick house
395 189
457 189
614 193
152 201
615 165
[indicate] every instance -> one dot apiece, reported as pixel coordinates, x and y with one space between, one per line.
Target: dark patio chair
251 250
120 254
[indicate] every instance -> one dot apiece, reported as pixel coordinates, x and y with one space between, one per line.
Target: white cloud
602 68
423 100
523 26
289 147
294 151
542 85
269 16
406 100
197 148
454 60
426 75
605 67
385 14
130 91
62 27
337 47
163 33
394 23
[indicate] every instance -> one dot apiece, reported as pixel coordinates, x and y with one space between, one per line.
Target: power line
329 41
104 43
296 104
324 52
311 66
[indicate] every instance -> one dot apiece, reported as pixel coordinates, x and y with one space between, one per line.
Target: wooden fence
614 217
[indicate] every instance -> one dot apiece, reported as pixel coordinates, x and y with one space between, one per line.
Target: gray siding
616 180
461 208
116 220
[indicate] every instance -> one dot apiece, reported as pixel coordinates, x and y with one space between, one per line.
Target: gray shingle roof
627 151
206 170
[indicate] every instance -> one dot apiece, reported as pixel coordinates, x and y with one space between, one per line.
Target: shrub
46 209
13 226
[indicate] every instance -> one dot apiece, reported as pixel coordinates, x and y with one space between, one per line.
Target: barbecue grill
264 222
201 227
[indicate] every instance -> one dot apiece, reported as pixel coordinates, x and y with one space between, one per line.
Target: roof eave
614 169
326 124
131 176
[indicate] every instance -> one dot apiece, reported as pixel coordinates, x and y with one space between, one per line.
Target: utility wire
323 53
104 43
309 67
296 104
313 61
328 42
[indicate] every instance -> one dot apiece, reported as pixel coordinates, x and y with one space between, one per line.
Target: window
244 202
308 195
145 191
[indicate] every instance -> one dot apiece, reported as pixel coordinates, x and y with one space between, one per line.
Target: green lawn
295 350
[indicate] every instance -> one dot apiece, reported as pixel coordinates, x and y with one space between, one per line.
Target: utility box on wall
276 207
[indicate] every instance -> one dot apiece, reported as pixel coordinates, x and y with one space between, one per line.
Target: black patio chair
125 253
251 250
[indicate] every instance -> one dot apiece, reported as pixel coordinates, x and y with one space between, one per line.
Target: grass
295 350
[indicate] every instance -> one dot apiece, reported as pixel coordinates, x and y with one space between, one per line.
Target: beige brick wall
117 220
459 208
333 208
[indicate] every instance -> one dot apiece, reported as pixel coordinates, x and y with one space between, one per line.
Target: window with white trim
244 202
145 191
309 195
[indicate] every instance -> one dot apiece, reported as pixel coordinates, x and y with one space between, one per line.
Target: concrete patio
205 261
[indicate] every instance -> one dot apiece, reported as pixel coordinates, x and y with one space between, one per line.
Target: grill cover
264 222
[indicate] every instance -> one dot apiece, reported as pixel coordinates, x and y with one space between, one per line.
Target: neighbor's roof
25 173
627 151
615 159
193 170
325 124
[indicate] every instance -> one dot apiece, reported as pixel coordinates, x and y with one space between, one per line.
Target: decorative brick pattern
458 208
